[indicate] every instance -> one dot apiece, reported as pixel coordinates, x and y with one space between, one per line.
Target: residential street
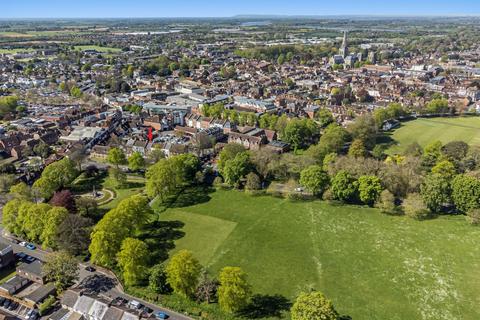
98 282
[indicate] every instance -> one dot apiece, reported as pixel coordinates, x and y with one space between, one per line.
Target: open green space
15 51
373 266
97 48
426 130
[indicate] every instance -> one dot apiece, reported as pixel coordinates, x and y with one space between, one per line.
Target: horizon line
264 16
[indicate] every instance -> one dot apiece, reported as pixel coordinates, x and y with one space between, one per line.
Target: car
13 306
21 255
30 246
134 304
147 310
161 315
32 315
2 300
6 303
23 244
30 258
90 269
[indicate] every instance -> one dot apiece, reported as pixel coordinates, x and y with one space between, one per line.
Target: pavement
99 282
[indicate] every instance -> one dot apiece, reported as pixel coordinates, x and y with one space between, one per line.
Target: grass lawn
135 185
373 266
425 130
98 48
14 51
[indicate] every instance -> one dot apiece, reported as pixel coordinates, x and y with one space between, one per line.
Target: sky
227 8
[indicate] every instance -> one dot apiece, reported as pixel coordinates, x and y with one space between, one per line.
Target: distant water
256 23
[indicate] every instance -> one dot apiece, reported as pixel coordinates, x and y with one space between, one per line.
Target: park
373 265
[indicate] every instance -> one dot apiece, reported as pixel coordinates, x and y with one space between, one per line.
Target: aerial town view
219 160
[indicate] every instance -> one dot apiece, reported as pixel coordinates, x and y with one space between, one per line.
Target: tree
118 177
34 221
445 169
168 176
253 182
369 188
437 106
228 153
344 186
155 155
431 154
357 149
436 191
73 234
86 207
55 176
62 269
236 169
64 199
7 180
136 162
466 192
157 281
75 92
365 129
11 215
116 156
300 132
314 179
21 191
115 226
332 141
132 260
386 202
325 117
455 150
42 150
414 207
207 289
54 218
313 306
234 290
183 271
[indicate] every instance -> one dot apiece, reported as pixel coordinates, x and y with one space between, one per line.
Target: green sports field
97 48
425 130
373 266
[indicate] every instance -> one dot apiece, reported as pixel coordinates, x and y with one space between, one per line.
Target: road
98 282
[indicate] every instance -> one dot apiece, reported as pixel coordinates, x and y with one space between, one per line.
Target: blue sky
223 8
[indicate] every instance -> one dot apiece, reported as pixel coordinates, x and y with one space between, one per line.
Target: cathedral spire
344 47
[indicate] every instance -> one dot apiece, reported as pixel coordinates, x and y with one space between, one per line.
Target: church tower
344 47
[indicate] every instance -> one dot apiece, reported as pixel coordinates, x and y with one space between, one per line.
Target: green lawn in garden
373 266
426 130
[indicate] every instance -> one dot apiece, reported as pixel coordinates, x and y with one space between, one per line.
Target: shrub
473 216
414 207
386 202
46 305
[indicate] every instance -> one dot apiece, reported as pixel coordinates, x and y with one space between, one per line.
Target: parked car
134 304
20 255
13 306
6 303
2 300
23 244
30 258
30 246
90 269
32 315
161 315
147 310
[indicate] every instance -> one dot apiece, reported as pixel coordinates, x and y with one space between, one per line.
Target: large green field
98 48
425 130
373 266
